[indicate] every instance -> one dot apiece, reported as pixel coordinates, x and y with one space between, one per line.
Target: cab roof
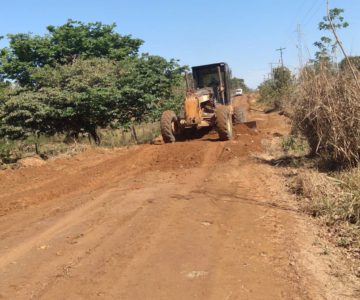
221 64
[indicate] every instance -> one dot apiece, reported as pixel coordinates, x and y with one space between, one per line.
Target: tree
63 45
239 83
91 93
69 98
267 91
4 87
282 79
2 101
277 90
80 77
152 85
326 45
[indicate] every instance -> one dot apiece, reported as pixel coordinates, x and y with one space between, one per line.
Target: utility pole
281 55
299 45
271 69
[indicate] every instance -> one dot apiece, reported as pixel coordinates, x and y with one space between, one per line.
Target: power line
305 16
295 17
306 47
317 8
310 13
313 9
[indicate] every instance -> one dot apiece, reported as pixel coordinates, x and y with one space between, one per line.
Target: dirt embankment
197 219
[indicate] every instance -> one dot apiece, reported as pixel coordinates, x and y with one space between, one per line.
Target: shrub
6 152
355 61
327 113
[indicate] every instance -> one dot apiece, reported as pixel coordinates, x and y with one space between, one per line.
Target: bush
294 144
327 113
355 61
6 152
267 92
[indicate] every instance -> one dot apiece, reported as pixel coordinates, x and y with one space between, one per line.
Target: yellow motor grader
208 103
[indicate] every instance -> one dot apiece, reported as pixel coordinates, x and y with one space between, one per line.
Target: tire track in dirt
192 220
74 218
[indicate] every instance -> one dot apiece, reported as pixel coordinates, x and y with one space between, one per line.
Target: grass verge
45 147
332 198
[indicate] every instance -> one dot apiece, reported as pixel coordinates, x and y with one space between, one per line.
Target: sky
245 34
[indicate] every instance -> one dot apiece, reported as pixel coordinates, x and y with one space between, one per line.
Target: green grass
6 152
294 144
117 137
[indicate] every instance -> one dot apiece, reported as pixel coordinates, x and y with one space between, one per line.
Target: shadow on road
196 134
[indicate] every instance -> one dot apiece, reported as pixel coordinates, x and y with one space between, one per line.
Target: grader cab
208 103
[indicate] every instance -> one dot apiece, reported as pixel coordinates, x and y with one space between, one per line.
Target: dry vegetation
334 199
327 113
323 152
45 147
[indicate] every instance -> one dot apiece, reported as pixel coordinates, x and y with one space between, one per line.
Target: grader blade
251 124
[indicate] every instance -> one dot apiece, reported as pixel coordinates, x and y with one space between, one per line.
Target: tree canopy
91 93
63 45
79 77
327 46
239 83
276 89
282 78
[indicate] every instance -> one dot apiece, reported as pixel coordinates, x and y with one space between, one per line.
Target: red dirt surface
198 219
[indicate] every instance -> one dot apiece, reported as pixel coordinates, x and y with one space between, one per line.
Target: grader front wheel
169 126
224 123
240 115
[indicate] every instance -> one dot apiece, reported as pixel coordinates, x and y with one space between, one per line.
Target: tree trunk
94 136
134 135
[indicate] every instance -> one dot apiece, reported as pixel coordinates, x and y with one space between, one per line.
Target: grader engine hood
192 110
194 104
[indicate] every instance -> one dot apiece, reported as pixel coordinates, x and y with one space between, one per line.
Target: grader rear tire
224 123
240 115
168 126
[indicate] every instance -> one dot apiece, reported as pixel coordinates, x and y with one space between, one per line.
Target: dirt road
199 219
